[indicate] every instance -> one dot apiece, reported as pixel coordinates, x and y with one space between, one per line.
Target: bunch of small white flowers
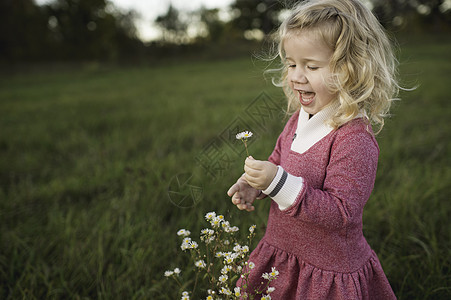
221 258
188 244
175 272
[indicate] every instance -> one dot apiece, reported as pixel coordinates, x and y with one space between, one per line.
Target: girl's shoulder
357 125
358 130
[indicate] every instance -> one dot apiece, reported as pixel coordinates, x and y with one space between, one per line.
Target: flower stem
245 145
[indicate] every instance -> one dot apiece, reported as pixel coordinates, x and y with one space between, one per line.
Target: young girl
339 77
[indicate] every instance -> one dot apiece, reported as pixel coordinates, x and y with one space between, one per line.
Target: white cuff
284 188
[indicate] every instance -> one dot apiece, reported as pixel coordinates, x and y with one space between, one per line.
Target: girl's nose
298 76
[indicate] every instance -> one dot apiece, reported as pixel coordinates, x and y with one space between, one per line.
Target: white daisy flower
233 229
168 273
229 258
209 216
251 265
216 221
183 232
207 231
244 135
274 273
270 289
225 291
200 264
237 292
186 244
193 245
223 278
226 225
226 269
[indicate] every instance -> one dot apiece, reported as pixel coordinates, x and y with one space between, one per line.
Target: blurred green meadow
90 156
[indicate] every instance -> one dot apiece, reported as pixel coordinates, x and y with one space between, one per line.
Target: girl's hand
243 195
259 174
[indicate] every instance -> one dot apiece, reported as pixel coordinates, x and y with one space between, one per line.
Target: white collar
310 131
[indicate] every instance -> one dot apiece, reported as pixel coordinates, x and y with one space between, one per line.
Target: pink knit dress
316 243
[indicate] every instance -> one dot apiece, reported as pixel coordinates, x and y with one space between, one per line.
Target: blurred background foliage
74 30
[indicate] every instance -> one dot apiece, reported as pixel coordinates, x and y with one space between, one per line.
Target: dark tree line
264 16
426 15
65 29
95 29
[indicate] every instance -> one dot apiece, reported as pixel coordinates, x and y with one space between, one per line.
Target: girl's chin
310 111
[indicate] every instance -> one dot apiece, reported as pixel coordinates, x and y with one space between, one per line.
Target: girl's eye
291 66
312 68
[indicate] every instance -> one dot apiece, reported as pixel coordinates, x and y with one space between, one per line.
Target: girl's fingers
246 206
252 171
250 207
249 163
242 206
252 181
254 164
233 189
236 199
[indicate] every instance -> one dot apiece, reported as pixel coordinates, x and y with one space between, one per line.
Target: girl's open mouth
306 97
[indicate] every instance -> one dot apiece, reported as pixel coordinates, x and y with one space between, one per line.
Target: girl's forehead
306 33
305 41
322 34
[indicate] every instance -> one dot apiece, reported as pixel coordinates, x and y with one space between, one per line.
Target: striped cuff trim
279 184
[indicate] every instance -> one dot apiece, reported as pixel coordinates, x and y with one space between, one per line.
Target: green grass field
88 157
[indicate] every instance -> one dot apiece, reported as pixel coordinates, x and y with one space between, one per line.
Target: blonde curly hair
363 64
